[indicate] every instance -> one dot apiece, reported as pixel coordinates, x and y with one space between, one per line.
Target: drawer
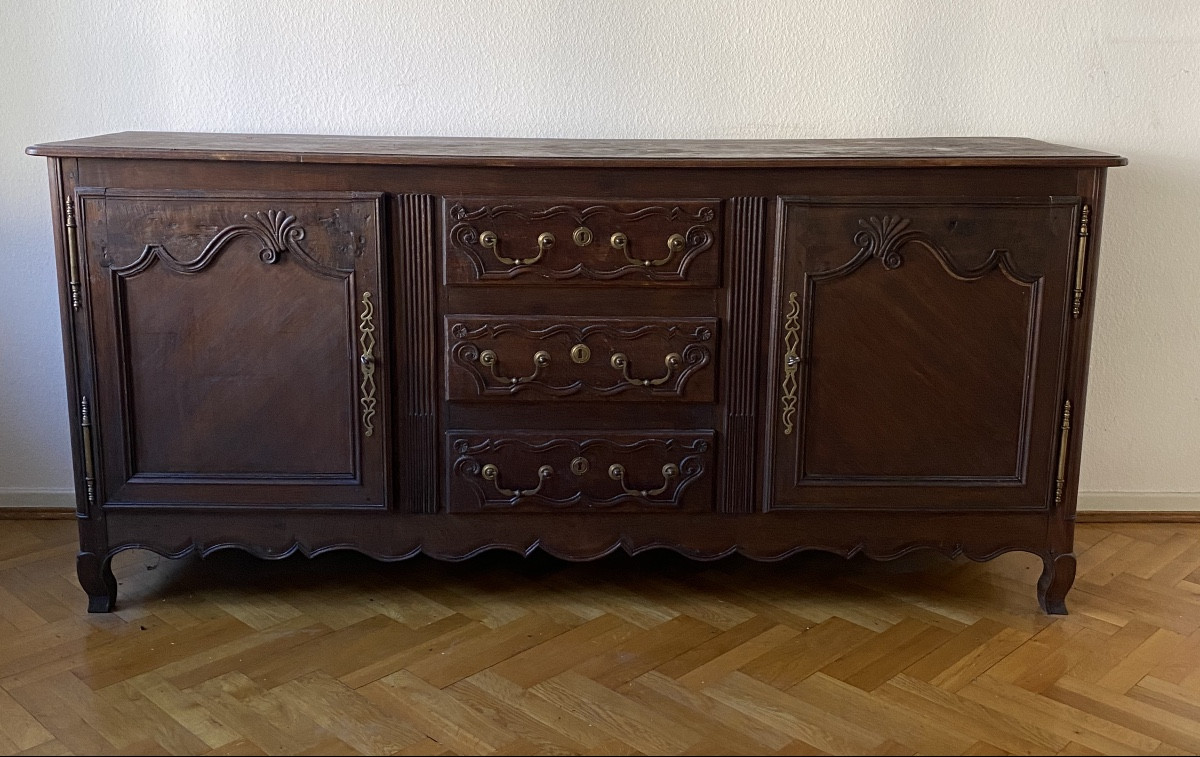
548 241
533 358
633 471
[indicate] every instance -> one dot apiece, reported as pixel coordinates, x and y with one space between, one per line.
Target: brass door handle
616 472
491 472
366 343
791 363
541 359
675 243
620 362
490 241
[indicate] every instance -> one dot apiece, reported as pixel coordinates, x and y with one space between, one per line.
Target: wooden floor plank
645 651
564 651
808 652
346 716
19 729
436 714
708 709
513 698
1076 725
473 654
621 718
829 732
901 726
1135 715
757 647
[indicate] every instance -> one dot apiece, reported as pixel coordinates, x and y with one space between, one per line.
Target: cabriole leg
96 578
1058 573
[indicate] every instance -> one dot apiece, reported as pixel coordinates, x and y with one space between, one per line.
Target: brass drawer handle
491 472
616 472
490 241
675 243
541 359
620 362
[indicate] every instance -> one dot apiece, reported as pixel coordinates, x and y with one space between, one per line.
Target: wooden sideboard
405 345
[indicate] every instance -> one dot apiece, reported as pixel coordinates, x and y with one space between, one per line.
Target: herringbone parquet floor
654 654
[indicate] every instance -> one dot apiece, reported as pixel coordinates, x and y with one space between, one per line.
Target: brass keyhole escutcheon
580 354
582 236
579 466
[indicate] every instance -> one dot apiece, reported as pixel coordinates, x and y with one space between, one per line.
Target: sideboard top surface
615 153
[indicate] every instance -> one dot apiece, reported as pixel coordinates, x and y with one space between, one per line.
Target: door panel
239 346
919 351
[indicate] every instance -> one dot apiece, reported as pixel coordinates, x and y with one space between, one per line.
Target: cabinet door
919 350
238 344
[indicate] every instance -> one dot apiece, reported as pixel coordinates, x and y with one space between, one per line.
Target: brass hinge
89 466
1080 261
1063 443
72 252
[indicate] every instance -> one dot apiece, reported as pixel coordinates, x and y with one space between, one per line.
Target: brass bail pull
676 243
670 471
541 359
491 472
620 362
489 240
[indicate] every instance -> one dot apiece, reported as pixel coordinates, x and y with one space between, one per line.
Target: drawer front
547 241
531 358
640 471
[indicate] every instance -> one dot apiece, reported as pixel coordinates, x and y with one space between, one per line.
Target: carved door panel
919 349
238 342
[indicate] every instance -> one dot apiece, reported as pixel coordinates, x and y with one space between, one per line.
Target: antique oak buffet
404 345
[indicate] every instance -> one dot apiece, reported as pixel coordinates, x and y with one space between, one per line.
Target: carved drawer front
531 358
649 471
598 242
239 343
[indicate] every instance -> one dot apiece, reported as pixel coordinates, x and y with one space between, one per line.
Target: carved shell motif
883 237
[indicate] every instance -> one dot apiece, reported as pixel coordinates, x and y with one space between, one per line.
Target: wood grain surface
646 655
759 153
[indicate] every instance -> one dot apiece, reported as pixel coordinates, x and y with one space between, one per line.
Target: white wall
1113 75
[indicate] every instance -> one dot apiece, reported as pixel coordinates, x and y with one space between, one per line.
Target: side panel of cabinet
919 352
239 343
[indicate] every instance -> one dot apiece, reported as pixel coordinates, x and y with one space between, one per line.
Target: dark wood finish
581 246
1058 573
531 358
417 362
929 338
460 151
910 395
210 310
655 471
